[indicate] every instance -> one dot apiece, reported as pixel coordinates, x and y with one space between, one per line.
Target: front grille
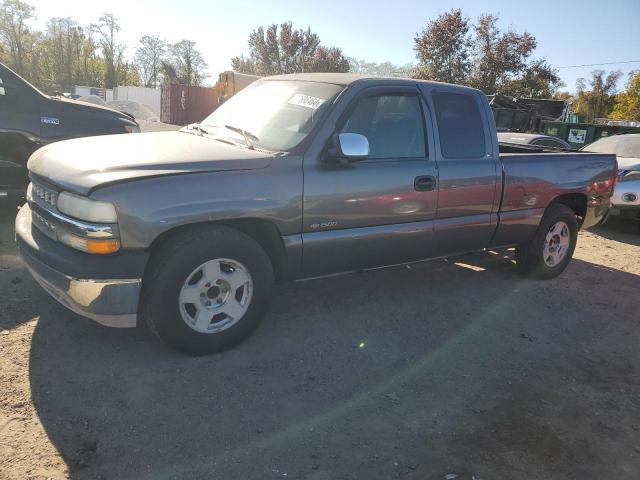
41 223
44 194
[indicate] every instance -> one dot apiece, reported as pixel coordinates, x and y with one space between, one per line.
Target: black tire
173 263
529 257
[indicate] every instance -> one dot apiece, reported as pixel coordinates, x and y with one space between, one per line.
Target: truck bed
531 181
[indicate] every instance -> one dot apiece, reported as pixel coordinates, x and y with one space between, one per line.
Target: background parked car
30 119
626 197
533 139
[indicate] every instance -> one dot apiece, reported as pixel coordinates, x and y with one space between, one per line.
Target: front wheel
207 289
552 247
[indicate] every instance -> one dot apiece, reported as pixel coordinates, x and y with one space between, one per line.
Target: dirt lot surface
149 126
456 366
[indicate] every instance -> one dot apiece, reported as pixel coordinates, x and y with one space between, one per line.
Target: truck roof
345 79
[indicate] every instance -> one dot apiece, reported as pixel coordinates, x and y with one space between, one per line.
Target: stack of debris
524 114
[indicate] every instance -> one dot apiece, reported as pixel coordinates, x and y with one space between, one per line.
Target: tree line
67 54
598 97
451 48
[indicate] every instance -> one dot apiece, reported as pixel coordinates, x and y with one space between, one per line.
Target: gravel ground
149 126
455 366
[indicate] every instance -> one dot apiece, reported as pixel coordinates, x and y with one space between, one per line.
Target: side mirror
352 146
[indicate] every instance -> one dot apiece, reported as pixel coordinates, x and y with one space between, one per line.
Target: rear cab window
461 128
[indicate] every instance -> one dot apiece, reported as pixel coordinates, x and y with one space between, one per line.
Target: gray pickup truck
297 176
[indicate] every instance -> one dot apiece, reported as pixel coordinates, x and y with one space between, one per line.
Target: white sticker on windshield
306 101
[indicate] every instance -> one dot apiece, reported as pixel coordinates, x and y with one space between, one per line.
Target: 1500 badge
330 224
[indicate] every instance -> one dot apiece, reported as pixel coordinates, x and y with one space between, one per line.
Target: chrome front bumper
110 302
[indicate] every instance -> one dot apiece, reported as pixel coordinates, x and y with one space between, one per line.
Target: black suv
30 119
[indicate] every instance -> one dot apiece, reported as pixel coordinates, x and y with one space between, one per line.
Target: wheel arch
575 201
263 232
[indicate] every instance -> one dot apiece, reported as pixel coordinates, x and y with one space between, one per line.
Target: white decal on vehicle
306 101
577 135
50 120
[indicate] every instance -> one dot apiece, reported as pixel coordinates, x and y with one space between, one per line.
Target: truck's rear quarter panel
532 182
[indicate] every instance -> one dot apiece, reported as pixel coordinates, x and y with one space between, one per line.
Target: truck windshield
272 115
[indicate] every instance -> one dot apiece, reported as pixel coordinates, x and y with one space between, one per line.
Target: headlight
86 209
131 129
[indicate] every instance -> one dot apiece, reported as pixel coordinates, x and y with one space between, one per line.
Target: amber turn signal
102 246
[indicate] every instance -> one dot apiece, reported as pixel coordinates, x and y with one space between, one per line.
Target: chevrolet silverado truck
30 119
295 177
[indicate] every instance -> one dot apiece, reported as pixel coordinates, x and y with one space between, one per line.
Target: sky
568 33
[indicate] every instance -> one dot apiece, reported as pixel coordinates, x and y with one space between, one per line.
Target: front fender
149 207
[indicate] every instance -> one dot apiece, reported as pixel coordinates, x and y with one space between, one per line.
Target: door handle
425 183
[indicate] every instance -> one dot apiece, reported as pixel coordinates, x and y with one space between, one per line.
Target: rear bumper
110 301
594 216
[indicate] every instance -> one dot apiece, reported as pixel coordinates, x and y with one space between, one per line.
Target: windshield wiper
247 135
201 131
195 129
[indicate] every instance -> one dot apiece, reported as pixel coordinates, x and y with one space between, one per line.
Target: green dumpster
581 134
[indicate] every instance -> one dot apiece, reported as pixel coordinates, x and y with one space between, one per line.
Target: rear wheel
206 290
552 247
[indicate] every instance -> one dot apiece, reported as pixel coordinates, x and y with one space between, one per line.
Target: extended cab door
378 211
470 177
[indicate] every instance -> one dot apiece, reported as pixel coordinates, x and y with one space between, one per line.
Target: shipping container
230 83
185 104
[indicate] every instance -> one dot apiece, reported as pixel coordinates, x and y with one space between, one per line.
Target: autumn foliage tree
596 100
452 49
627 102
500 57
444 49
280 49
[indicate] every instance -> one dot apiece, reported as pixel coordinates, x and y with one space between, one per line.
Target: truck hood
84 164
86 106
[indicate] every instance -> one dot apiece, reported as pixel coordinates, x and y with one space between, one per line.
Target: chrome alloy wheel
215 295
556 243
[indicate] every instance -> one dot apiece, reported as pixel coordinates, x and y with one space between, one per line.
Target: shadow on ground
450 366
621 230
